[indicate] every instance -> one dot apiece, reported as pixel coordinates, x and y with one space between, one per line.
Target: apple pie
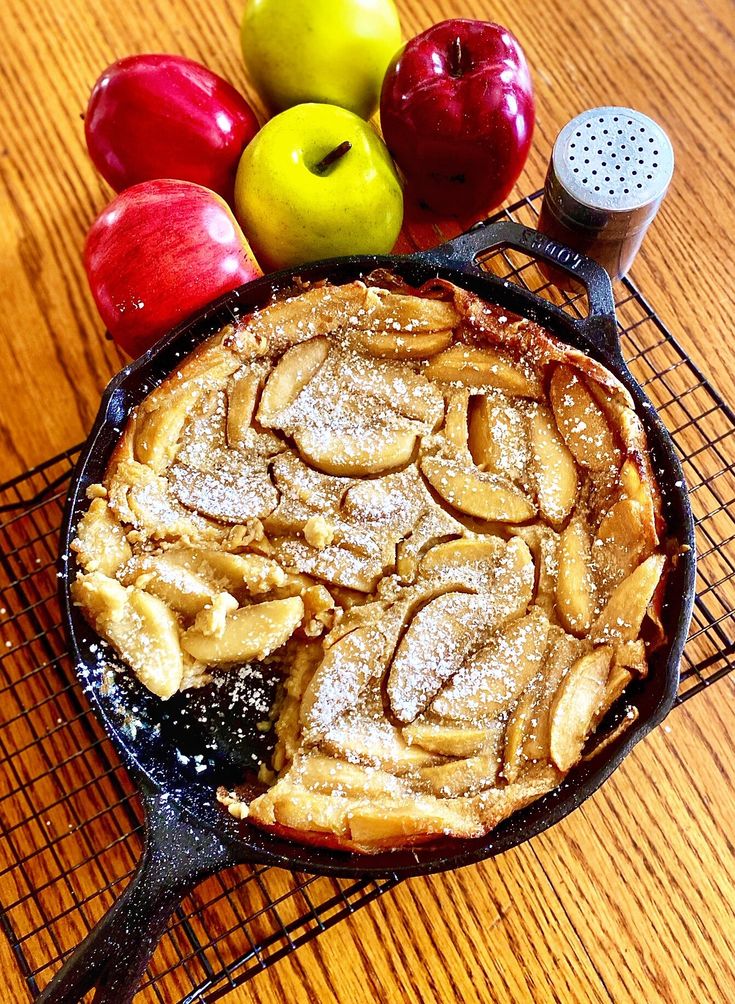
435 522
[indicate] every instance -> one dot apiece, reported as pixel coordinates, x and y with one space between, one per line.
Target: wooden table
633 897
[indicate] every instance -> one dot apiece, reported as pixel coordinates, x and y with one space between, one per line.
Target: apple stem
458 61
332 157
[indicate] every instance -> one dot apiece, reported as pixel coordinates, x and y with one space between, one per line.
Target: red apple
164 116
457 113
159 252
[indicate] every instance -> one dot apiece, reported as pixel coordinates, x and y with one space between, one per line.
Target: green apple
329 51
317 182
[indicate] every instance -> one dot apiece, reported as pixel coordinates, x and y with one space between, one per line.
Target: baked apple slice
462 777
386 311
251 633
492 680
617 681
496 804
401 345
486 368
522 721
241 401
163 415
101 544
370 450
477 493
621 618
448 740
463 555
455 431
575 588
582 422
498 437
293 372
363 735
435 645
544 545
620 543
563 651
141 628
185 590
639 488
555 473
448 628
381 824
580 694
346 669
328 775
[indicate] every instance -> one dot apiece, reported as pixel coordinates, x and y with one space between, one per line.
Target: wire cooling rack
71 822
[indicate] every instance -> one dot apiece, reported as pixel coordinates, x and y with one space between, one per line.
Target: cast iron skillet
177 760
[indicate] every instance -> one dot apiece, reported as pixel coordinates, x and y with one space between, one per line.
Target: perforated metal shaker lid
610 168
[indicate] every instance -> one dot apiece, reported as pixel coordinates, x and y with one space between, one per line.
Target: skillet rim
251 844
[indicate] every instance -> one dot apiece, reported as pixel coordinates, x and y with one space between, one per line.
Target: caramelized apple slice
143 499
564 650
484 367
295 369
462 777
241 402
254 572
364 736
141 628
520 728
621 542
622 616
498 437
380 824
458 554
455 430
617 681
233 489
448 628
100 543
432 525
401 345
162 416
577 699
582 422
477 493
544 545
385 311
346 668
435 645
554 468
370 451
250 633
575 596
317 311
186 591
307 811
632 655
639 488
495 676
339 566
361 389
327 775
447 740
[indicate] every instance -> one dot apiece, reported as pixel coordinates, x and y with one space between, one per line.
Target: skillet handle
462 252
114 956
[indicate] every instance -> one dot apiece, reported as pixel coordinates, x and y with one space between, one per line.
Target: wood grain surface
632 898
